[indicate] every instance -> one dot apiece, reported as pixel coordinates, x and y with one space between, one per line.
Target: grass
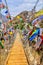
39 13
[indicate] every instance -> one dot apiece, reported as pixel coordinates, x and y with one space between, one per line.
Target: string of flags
2 4
6 12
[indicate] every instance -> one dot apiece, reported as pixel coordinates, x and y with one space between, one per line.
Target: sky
17 6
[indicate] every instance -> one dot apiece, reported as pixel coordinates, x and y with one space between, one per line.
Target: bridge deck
17 55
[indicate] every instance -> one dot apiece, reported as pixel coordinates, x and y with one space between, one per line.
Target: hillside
39 13
25 16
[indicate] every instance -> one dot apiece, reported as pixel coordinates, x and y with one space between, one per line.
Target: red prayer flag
2 5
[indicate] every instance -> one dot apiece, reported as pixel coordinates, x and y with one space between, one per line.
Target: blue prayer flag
6 11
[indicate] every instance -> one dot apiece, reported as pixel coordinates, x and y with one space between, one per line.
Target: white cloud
25 5
39 5
21 8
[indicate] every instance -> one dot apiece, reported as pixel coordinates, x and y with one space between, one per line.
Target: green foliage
1 44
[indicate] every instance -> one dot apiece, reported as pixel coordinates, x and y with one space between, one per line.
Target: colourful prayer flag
2 5
6 11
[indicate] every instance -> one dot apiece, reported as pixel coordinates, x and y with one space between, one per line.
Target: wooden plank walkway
17 55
